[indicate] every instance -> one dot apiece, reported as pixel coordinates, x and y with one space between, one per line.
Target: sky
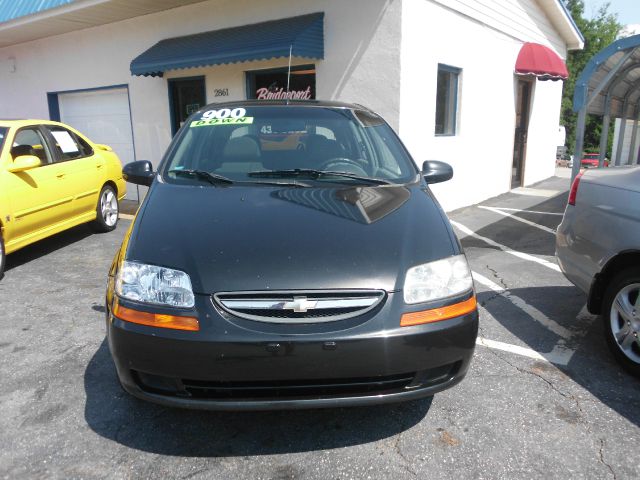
628 10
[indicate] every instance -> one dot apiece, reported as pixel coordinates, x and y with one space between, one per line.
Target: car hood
274 238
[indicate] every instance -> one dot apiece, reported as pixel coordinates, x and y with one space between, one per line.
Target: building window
272 84
447 100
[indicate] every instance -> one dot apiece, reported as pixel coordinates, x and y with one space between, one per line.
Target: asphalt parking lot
543 398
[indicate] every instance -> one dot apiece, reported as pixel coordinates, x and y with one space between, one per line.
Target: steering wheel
341 164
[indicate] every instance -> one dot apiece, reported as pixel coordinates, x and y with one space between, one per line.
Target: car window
388 151
30 141
67 144
85 148
237 142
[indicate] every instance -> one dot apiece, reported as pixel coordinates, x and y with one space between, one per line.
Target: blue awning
260 41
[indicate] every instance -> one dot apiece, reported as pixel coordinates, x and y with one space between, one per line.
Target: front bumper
243 365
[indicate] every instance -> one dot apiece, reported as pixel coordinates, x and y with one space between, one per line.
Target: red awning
541 61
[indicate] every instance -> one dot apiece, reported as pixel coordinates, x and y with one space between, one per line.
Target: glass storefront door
186 95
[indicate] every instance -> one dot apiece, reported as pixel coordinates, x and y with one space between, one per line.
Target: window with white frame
447 100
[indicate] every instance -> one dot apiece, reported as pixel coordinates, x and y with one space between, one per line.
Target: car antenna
289 72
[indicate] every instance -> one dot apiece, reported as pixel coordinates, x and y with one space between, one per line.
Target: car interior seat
320 149
20 150
241 155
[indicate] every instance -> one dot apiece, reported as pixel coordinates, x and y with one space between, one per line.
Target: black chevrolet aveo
289 255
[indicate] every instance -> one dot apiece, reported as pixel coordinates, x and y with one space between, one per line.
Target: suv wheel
621 315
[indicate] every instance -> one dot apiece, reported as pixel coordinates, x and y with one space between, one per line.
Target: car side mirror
139 172
434 171
24 162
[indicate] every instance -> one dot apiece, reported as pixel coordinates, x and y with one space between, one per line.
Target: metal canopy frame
609 86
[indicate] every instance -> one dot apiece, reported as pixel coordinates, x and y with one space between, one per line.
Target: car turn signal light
159 320
438 314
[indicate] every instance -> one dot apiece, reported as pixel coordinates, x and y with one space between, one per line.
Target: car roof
287 103
22 122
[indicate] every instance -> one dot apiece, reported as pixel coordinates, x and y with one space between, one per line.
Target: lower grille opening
295 389
276 389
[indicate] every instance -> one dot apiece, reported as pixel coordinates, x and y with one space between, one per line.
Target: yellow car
53 178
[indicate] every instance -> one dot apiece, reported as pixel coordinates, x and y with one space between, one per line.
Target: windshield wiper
279 184
212 178
314 174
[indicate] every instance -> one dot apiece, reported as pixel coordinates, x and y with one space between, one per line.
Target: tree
598 33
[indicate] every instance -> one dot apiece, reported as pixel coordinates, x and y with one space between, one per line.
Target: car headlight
440 279
154 285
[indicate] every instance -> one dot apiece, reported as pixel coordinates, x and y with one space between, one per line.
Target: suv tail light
573 193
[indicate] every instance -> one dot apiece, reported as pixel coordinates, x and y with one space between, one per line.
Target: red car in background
591 160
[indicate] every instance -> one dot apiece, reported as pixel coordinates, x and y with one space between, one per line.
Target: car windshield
3 135
261 144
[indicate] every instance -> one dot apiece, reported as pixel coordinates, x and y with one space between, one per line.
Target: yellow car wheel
107 210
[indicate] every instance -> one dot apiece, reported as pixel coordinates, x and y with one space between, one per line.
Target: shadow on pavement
48 245
592 366
519 236
115 415
555 302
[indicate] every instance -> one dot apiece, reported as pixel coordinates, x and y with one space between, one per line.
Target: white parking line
557 356
530 310
522 220
507 347
126 216
535 192
529 211
560 355
522 255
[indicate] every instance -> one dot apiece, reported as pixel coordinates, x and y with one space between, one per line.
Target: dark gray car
598 249
289 255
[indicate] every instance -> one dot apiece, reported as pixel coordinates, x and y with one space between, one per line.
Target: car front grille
299 306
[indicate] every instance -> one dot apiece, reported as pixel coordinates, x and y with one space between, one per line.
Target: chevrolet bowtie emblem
300 304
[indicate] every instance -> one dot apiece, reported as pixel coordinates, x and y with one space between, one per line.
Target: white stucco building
442 72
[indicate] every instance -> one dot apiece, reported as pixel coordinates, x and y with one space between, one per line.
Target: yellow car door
38 201
82 168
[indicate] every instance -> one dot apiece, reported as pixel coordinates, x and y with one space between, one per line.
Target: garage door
103 116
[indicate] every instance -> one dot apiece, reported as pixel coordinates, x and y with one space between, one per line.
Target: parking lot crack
495 294
486 301
497 276
401 454
194 473
549 383
601 458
